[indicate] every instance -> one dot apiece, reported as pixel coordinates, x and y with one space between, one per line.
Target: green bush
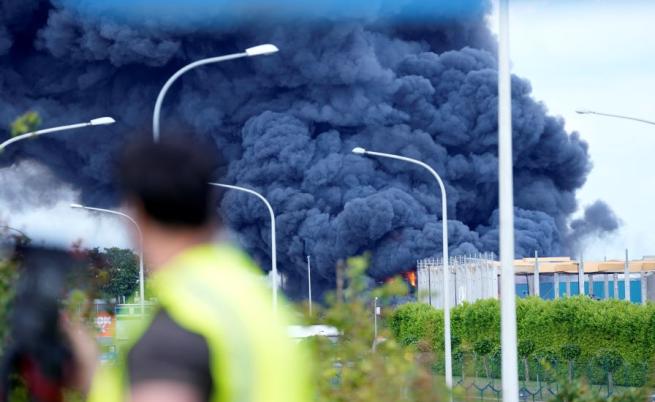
580 391
548 325
416 322
567 330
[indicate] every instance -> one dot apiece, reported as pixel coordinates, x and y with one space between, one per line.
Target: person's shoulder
164 332
168 351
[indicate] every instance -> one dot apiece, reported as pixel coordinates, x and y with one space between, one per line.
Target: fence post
590 281
537 291
581 291
644 287
429 268
626 276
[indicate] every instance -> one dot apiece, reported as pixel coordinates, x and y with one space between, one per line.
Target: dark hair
170 178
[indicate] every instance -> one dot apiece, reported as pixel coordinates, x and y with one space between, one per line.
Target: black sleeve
167 351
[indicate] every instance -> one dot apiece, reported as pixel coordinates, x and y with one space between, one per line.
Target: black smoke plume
424 88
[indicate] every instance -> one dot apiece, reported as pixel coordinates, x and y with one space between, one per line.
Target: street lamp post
444 244
101 121
509 351
250 52
618 116
273 241
138 229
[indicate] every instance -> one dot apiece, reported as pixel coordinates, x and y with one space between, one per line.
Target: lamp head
102 121
76 206
262 50
359 151
583 111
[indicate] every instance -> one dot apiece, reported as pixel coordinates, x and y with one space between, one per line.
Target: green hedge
548 326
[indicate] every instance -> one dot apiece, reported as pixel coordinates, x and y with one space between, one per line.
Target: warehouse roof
567 265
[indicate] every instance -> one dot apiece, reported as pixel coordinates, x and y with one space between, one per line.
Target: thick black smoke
286 124
598 220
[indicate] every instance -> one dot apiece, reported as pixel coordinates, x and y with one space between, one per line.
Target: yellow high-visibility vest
217 292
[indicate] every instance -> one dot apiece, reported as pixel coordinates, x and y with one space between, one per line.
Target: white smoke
34 201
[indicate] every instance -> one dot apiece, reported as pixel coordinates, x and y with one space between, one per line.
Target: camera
37 354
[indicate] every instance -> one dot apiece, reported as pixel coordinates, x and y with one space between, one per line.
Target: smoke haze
421 87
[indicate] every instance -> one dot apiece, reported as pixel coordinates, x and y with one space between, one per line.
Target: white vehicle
299 332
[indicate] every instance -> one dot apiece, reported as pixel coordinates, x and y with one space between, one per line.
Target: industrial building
477 277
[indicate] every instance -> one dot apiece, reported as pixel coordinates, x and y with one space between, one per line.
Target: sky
591 54
598 55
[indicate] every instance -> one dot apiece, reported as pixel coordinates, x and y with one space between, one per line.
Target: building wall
474 278
471 279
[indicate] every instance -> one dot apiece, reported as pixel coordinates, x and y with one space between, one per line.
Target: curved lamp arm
101 121
618 116
250 52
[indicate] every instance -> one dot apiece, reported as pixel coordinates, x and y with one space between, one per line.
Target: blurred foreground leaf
25 123
358 368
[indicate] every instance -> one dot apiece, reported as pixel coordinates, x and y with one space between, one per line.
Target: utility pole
309 283
376 312
581 291
508 332
537 282
340 269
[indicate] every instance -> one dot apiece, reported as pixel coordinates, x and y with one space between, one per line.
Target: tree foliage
355 368
8 277
609 360
483 347
570 351
525 348
581 391
116 272
29 121
566 334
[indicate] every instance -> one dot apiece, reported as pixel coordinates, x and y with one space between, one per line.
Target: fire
411 278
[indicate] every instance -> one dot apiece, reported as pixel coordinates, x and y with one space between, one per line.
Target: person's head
165 186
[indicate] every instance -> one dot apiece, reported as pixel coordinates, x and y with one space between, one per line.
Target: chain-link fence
540 377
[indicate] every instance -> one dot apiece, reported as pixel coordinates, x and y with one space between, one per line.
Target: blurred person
37 360
212 335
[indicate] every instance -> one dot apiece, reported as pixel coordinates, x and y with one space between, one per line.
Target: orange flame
411 278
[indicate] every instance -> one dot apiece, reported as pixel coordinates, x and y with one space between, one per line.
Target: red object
40 387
